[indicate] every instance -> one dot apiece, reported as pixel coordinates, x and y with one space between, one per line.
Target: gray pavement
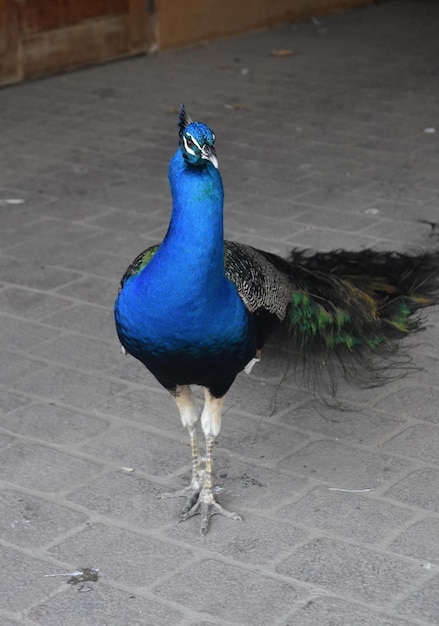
331 146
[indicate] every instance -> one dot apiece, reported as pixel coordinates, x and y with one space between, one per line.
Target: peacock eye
190 143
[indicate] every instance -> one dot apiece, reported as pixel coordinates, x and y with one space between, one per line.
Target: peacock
197 310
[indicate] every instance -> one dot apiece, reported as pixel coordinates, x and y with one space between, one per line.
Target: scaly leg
186 404
205 504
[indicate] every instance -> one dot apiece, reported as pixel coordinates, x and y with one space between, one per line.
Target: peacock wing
259 283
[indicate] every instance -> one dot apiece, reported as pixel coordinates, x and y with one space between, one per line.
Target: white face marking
187 147
195 141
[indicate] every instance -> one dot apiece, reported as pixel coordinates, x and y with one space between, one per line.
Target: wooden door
40 37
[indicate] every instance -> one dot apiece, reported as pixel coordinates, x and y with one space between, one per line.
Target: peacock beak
208 152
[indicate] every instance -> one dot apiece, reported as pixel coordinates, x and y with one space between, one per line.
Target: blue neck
194 244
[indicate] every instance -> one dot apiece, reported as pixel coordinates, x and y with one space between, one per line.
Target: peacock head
196 141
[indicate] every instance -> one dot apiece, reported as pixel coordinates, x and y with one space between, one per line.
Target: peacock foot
205 505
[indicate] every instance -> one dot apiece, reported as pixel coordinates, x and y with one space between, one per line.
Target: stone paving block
79 351
146 406
56 188
344 466
402 231
404 208
120 555
103 605
31 304
37 467
35 275
87 176
420 442
356 573
246 396
152 187
15 367
330 218
130 222
420 541
93 289
53 424
127 164
265 242
127 244
413 401
129 199
109 265
258 438
422 604
220 588
51 242
24 207
88 319
254 540
19 214
141 450
60 252
285 207
419 488
237 223
315 238
10 401
360 425
73 209
330 611
130 498
17 334
351 515
428 369
6 440
32 522
68 387
264 188
22 580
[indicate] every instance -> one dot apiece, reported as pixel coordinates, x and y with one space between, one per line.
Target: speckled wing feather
259 283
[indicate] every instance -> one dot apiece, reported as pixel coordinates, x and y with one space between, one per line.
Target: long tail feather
349 310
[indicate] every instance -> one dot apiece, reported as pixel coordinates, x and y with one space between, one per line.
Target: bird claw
207 507
193 489
181 493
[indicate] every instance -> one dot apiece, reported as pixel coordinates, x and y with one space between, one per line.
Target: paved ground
327 147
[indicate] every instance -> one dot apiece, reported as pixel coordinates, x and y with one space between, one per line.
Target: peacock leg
205 503
186 404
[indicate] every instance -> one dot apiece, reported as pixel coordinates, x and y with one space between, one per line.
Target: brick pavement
323 148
